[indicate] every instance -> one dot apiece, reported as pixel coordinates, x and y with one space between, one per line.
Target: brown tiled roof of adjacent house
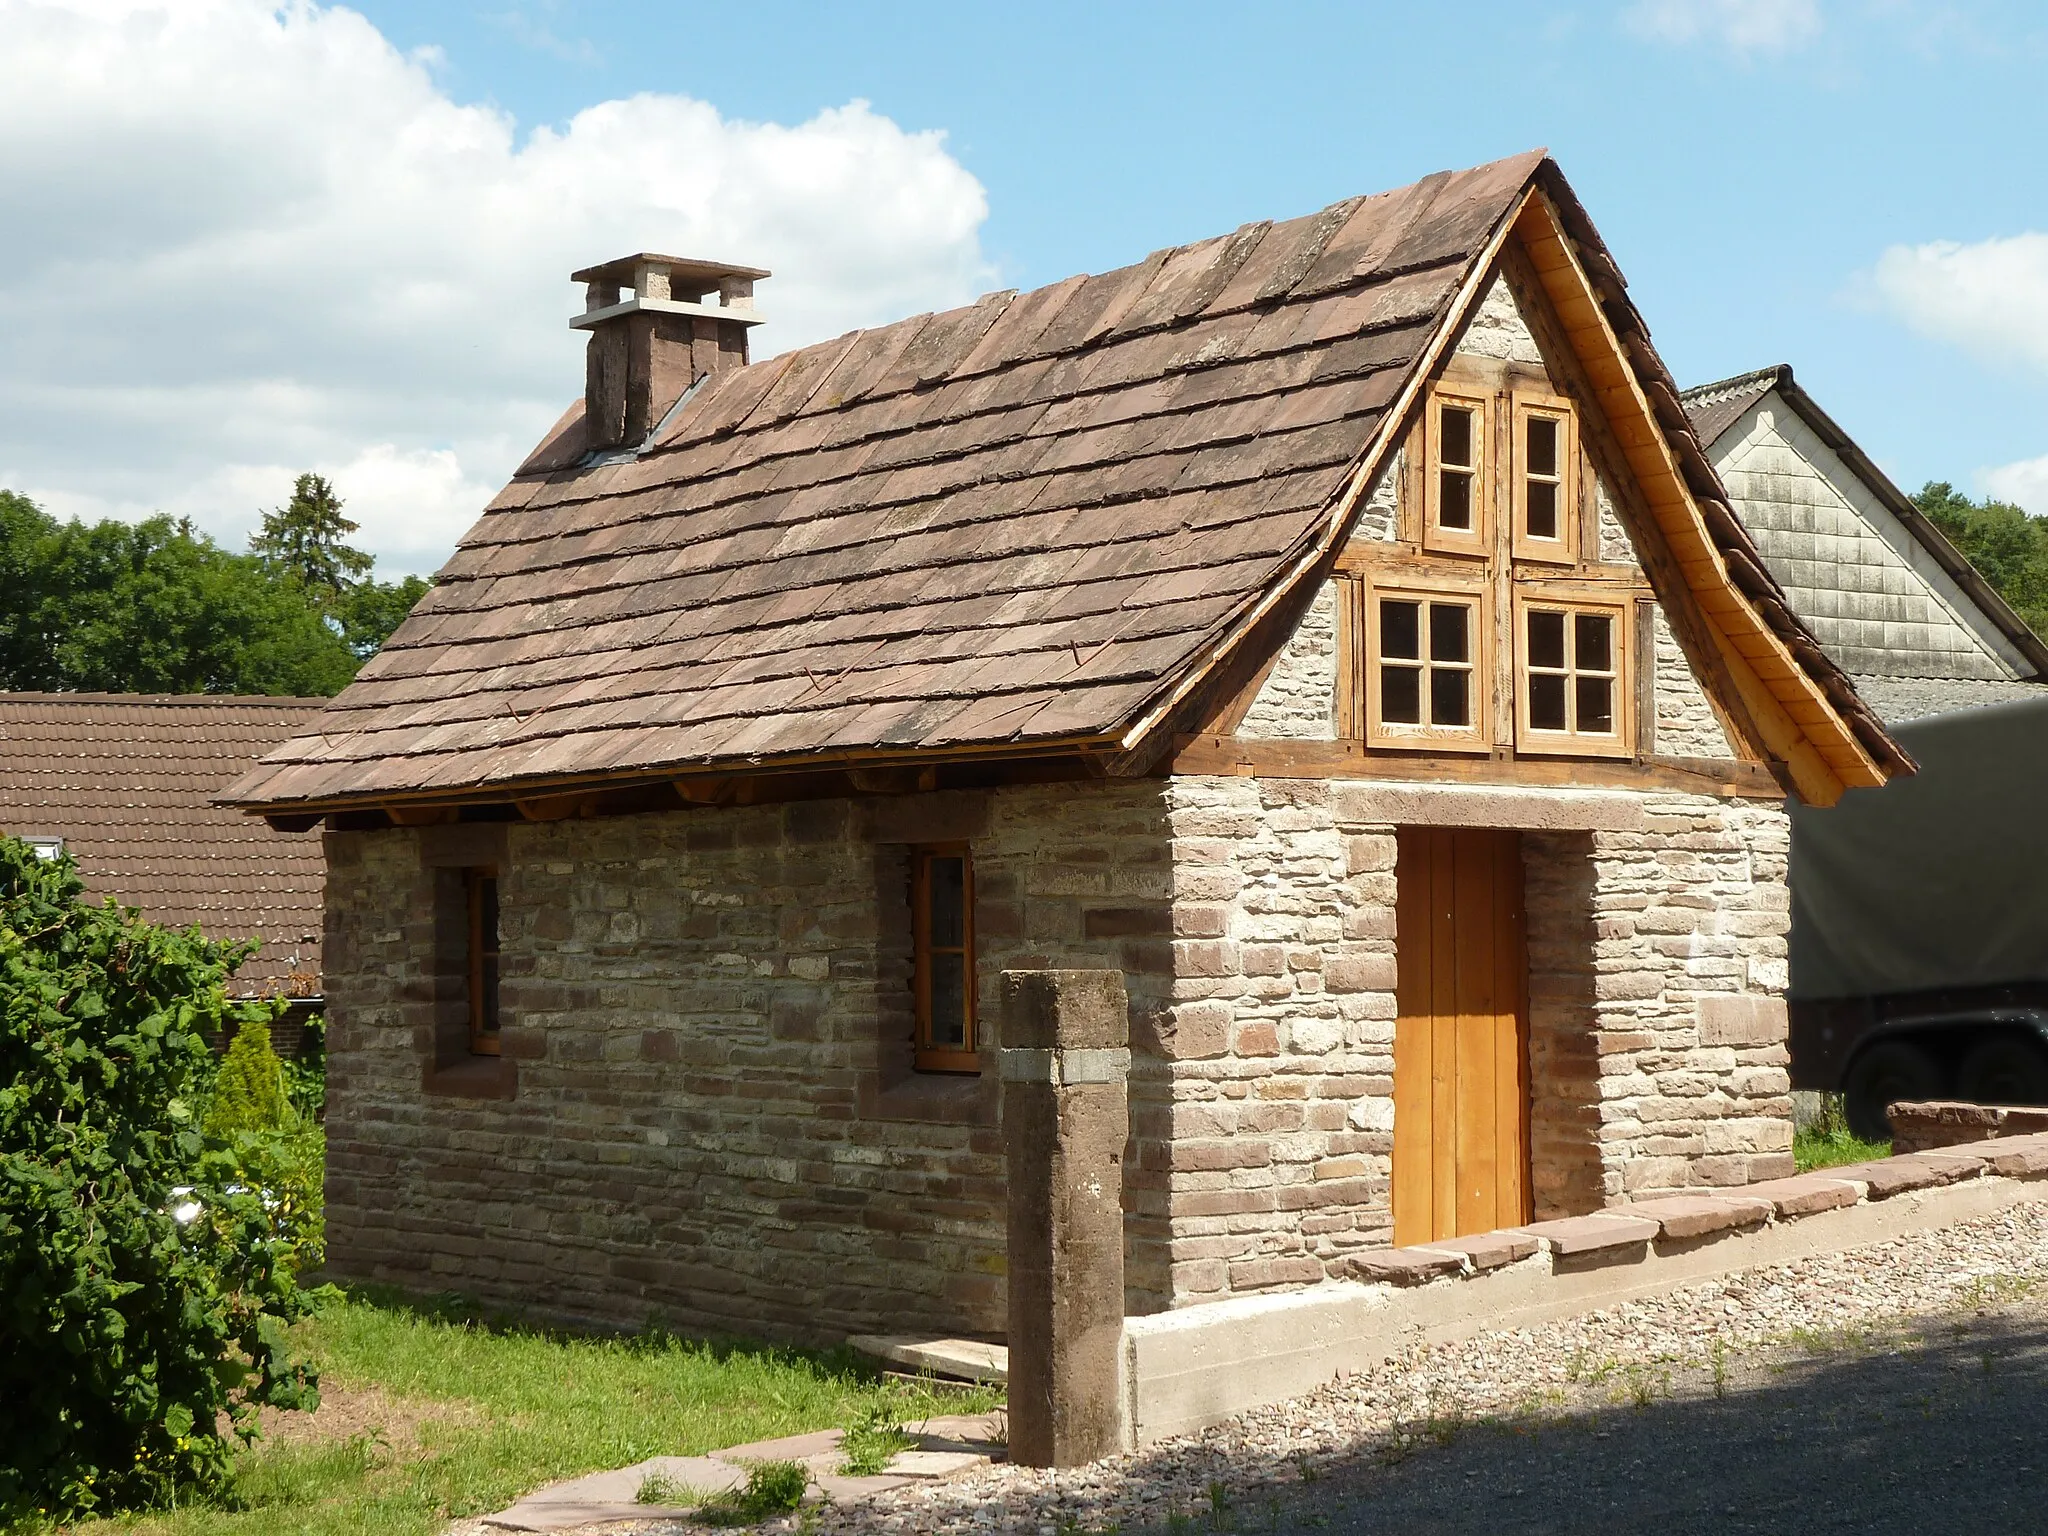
1017 527
128 782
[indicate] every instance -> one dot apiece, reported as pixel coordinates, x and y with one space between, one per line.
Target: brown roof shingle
128 781
1007 525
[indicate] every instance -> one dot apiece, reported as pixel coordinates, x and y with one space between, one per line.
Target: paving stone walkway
947 1447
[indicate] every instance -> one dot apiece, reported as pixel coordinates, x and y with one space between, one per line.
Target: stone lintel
1365 802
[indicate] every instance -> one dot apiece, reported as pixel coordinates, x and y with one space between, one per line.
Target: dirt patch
346 1412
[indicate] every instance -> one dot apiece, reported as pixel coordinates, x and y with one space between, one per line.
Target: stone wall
707 1013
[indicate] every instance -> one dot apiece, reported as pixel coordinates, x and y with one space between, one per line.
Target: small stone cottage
1335 627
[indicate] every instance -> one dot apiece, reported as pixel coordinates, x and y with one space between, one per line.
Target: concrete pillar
1066 1114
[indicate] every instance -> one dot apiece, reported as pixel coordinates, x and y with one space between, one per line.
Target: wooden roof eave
1799 723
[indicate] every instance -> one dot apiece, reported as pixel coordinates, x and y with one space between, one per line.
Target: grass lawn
1830 1146
436 1414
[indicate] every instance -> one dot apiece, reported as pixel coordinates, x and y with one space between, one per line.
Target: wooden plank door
1461 1099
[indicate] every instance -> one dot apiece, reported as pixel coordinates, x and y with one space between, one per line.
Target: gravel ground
1779 1398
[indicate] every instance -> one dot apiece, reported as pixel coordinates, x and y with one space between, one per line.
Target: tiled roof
1010 524
128 780
1900 699
1716 407
1023 526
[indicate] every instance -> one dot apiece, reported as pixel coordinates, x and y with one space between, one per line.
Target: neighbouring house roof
1883 590
128 782
1028 526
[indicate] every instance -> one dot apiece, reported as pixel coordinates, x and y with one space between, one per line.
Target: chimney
647 349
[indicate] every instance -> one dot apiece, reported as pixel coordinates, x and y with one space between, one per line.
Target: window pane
949 902
1449 624
1448 690
1401 695
1542 509
1546 701
1454 438
1401 630
1596 703
949 1002
1454 499
1592 642
1542 445
1546 640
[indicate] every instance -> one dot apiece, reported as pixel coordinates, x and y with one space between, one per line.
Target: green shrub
145 1277
248 1093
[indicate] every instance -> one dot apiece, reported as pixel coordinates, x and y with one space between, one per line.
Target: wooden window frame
1619 609
481 963
1478 540
926 1057
1564 549
1434 587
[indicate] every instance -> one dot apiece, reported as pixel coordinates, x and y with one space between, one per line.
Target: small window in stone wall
1574 688
942 971
480 887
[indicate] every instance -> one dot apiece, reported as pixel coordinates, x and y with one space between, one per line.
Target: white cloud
1745 26
246 240
1990 297
2025 484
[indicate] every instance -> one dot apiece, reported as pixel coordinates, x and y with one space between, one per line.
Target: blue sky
1747 184
1857 187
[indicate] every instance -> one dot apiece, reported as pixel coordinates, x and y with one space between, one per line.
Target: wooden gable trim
1798 725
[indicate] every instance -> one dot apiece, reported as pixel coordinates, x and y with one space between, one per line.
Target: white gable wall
1875 599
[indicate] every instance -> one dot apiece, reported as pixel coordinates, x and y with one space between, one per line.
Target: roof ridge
1727 389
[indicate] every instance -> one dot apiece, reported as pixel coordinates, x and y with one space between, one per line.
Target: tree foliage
146 1273
2003 541
303 540
157 607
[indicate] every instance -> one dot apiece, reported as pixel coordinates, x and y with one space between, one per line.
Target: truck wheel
1889 1072
2006 1069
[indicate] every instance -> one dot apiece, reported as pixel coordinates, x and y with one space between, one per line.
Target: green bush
146 1277
248 1093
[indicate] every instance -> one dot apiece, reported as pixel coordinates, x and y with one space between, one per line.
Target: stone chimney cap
666 285
682 270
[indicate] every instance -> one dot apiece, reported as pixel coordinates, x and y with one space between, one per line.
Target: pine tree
304 539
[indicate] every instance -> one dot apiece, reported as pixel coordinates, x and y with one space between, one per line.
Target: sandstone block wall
715 1120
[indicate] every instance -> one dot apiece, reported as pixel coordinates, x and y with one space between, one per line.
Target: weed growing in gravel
1720 1366
1985 1291
1305 1468
773 1488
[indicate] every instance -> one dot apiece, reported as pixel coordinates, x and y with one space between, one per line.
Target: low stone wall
1923 1126
1187 1369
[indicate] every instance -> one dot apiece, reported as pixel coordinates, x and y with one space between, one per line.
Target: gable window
942 970
1424 671
1573 688
480 886
1546 447
1458 487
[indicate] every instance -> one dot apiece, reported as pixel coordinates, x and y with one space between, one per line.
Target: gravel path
1572 1426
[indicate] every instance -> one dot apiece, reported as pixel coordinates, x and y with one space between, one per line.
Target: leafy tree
303 539
145 1281
2003 541
155 607
370 610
